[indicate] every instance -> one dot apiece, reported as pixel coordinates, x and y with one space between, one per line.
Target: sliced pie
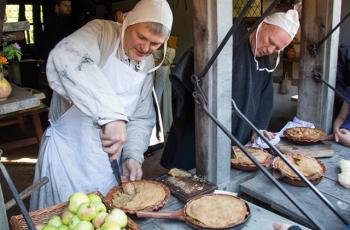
216 211
304 135
310 167
241 161
142 195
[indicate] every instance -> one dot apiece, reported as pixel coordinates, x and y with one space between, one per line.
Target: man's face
64 8
140 42
270 39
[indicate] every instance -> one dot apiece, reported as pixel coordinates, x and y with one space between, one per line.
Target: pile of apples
87 212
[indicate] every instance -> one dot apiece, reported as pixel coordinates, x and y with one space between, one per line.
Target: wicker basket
42 216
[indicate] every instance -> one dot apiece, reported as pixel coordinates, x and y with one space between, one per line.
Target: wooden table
261 219
262 189
12 111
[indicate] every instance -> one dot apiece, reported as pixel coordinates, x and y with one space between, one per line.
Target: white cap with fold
288 21
151 11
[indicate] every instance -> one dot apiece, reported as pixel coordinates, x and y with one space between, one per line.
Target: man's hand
113 137
132 169
342 136
267 134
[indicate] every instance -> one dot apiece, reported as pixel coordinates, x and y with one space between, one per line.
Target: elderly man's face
271 39
64 8
139 41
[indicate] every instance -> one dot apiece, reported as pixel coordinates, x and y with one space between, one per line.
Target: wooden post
315 99
212 20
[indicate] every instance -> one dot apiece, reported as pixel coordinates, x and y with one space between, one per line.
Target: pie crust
304 135
216 211
311 168
142 195
241 161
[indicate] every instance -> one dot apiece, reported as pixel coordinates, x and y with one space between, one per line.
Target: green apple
55 221
84 225
94 197
63 227
110 226
49 227
100 207
99 219
86 211
73 222
67 216
118 217
75 200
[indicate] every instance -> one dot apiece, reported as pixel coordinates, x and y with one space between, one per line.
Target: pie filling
241 159
309 166
143 195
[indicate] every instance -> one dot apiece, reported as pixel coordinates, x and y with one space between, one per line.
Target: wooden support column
315 99
212 20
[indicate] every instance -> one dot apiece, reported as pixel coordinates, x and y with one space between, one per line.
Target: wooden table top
262 189
19 99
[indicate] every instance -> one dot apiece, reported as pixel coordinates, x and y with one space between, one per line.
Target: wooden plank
212 20
19 143
319 150
318 17
16 26
261 219
262 189
18 100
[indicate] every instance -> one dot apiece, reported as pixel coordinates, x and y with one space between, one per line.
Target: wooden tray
184 188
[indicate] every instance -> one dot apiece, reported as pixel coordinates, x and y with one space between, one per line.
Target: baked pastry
310 167
142 195
304 135
217 211
241 161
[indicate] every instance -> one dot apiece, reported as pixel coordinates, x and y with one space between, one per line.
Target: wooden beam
212 20
315 99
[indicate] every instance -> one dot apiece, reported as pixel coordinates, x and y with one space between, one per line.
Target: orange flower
3 60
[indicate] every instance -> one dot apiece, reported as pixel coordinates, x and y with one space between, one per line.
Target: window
254 12
12 15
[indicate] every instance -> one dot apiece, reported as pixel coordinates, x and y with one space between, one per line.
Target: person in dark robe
252 88
58 25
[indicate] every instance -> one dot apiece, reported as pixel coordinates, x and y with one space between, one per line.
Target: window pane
29 13
255 9
12 13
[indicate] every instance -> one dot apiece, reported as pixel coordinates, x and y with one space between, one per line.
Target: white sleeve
73 72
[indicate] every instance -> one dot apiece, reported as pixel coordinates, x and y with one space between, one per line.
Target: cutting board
318 150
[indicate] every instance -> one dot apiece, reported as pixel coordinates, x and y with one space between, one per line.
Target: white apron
72 155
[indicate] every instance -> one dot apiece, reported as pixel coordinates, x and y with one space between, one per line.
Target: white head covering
288 21
150 11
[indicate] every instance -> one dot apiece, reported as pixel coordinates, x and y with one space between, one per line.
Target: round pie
304 135
216 211
142 195
310 167
241 161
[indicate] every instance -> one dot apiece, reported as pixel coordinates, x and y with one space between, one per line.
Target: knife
115 168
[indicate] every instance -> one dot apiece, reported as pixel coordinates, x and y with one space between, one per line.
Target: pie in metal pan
242 162
141 195
304 135
210 211
311 168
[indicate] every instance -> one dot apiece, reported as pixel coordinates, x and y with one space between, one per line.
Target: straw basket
42 216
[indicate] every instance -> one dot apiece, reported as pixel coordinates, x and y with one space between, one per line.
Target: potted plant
8 53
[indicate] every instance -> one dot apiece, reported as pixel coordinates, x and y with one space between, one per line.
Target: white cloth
260 143
72 153
288 21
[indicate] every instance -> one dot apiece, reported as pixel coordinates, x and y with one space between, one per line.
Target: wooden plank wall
315 99
212 20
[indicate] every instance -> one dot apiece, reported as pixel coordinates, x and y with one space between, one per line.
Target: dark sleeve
341 80
294 227
264 111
